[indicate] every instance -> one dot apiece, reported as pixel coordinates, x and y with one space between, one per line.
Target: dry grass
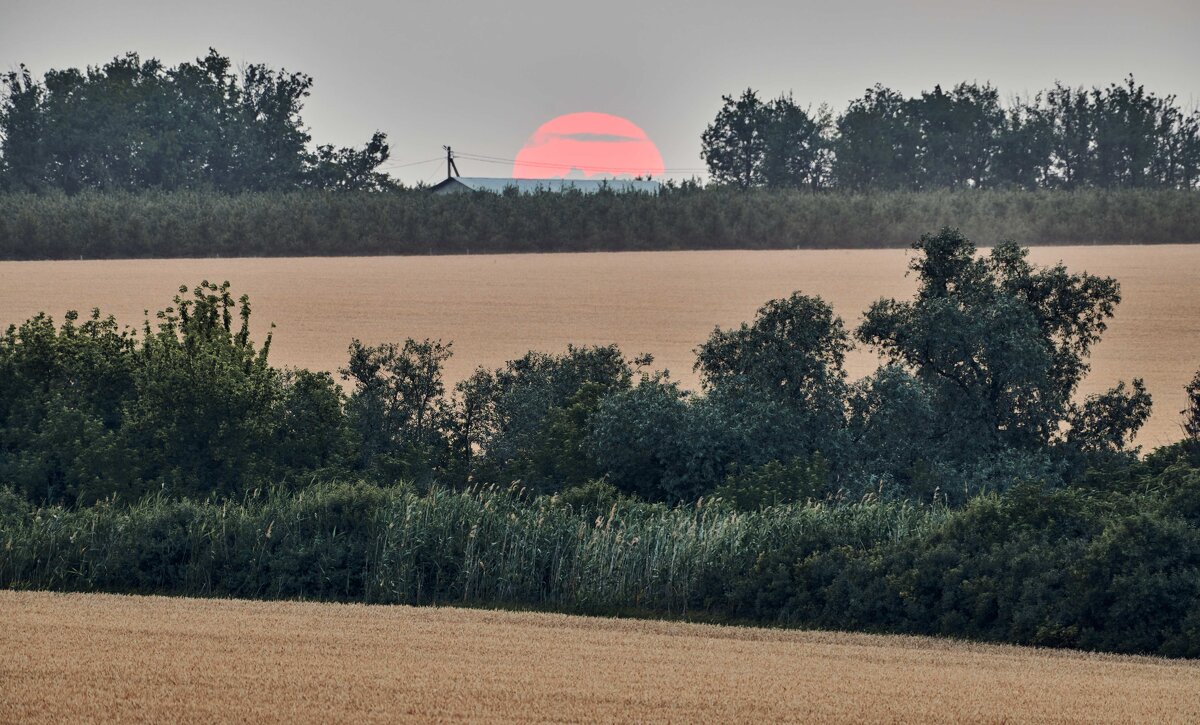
103 658
497 307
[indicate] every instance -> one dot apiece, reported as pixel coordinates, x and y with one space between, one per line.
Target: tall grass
359 542
199 224
1067 567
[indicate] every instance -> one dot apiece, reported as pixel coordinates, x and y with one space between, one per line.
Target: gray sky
483 76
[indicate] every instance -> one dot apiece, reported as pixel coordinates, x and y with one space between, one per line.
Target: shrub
774 483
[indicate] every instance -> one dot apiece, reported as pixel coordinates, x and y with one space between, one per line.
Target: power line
499 159
432 177
482 158
411 163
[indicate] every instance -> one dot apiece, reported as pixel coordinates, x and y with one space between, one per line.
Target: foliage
877 143
397 410
1110 571
132 125
734 144
794 351
189 407
639 440
1119 137
775 483
528 422
1000 347
1191 414
775 144
1108 421
959 490
978 395
594 497
94 225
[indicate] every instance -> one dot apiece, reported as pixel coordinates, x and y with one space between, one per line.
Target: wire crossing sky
483 76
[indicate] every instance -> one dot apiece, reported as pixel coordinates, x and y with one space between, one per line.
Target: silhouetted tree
878 143
797 153
132 125
1121 136
735 143
1001 346
1191 413
960 135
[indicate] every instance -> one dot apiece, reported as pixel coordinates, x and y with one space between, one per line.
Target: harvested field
498 307
103 658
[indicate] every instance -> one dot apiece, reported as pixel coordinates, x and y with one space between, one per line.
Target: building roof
533 186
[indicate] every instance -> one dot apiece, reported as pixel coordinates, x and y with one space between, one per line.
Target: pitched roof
533 186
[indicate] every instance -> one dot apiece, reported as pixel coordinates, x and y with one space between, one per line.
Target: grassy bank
192 224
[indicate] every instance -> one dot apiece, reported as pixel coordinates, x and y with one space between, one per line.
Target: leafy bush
775 483
188 408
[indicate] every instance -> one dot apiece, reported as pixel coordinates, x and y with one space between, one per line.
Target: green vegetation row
1115 570
962 488
202 224
1118 137
976 393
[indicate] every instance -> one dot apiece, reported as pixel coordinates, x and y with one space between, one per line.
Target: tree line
1118 137
977 393
133 124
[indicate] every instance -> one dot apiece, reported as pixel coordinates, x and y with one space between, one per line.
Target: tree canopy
134 124
978 392
1121 136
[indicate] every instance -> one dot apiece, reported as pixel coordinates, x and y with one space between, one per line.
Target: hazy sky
482 76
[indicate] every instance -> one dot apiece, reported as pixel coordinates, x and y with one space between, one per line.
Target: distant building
463 184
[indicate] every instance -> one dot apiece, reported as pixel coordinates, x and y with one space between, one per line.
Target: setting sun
588 145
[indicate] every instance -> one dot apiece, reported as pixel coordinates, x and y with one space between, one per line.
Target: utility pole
450 163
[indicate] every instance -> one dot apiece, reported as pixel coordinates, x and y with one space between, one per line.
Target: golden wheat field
105 658
495 308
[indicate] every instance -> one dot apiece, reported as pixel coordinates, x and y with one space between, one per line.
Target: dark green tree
735 143
794 351
774 392
639 440
63 393
529 420
1023 147
190 407
1191 412
397 409
796 154
206 397
1001 346
1108 421
133 125
877 144
350 169
22 166
960 134
1072 130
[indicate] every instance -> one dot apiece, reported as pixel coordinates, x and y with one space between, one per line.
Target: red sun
588 145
